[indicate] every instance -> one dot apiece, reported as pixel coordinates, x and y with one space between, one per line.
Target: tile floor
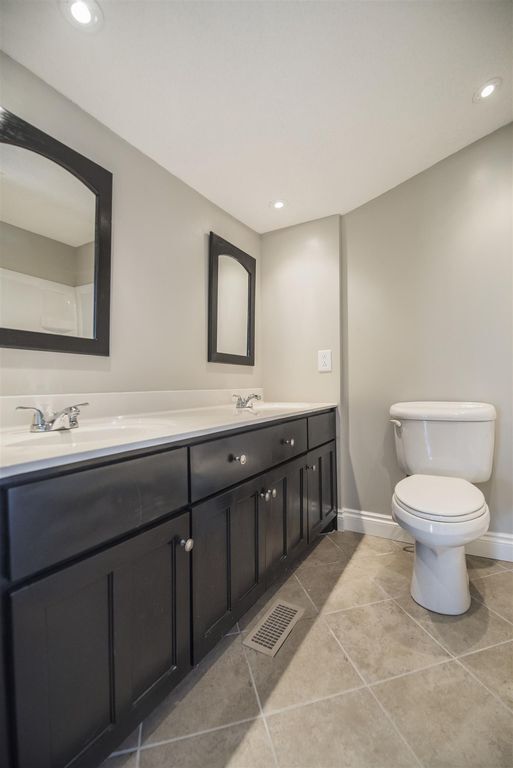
367 679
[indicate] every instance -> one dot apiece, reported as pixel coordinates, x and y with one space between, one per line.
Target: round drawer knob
311 466
242 459
274 493
187 544
289 441
265 495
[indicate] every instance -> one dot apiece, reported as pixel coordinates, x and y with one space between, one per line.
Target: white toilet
444 448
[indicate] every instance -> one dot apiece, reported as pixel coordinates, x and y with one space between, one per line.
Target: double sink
21 451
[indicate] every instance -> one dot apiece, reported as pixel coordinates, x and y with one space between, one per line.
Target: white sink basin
83 435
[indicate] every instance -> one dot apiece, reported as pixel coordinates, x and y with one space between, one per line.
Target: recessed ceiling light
278 204
487 89
85 14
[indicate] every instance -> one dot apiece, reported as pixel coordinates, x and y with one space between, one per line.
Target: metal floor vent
269 634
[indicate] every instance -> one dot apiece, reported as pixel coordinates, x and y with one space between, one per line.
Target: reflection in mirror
47 246
232 306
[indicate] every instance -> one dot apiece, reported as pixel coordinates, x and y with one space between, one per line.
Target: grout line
488 608
486 648
266 725
478 577
455 658
139 741
365 684
492 693
353 607
492 610
341 546
411 671
318 700
163 742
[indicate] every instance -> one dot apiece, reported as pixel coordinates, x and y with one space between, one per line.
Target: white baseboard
496 545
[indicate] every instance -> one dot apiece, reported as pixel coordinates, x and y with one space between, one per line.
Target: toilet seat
440 499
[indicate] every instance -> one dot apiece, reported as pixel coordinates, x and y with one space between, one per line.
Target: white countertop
23 451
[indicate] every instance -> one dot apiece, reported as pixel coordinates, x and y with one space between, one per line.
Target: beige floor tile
348 731
324 552
482 566
121 761
218 692
494 667
475 629
337 586
363 543
392 572
310 665
237 746
449 719
507 565
290 591
383 641
131 742
496 591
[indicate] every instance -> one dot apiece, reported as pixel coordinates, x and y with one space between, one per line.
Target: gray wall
427 313
159 266
301 310
31 254
84 264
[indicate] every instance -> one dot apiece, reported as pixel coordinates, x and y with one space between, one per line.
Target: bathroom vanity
122 570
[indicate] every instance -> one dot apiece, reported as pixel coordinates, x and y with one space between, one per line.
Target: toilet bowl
442 514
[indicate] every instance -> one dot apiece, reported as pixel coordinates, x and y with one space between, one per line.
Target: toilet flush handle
396 423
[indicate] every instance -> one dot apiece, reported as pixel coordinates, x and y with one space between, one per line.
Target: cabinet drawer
217 464
321 429
53 520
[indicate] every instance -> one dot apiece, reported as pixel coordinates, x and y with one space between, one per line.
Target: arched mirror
55 220
231 304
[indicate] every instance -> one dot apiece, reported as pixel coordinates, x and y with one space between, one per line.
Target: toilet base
440 579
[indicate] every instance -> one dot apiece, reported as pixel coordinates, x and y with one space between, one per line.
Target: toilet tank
445 438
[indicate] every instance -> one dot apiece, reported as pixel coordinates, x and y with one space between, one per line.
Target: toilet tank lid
443 411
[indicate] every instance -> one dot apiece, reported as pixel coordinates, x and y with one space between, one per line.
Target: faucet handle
38 421
73 412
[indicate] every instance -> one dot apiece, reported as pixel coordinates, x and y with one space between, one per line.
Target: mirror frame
217 247
14 130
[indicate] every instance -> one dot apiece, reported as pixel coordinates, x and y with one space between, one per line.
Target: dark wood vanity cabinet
228 562
105 606
321 465
99 643
285 503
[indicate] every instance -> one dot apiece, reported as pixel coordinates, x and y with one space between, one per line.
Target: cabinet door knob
311 466
274 493
289 441
242 459
187 544
265 495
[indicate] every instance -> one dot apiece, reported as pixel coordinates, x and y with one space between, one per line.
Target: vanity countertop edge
29 469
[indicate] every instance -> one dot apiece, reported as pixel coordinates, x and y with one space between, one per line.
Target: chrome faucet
61 420
245 402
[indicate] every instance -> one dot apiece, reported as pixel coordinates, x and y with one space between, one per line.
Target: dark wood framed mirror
55 241
231 303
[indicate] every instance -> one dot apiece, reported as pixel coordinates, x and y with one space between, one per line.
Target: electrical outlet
324 361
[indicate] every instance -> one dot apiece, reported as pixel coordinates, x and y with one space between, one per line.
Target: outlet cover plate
324 361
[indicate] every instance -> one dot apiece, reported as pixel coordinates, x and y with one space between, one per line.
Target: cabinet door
322 488
285 517
228 562
99 643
